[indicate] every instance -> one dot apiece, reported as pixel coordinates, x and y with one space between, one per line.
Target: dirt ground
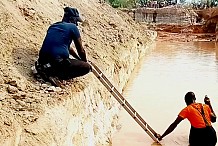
183 33
106 33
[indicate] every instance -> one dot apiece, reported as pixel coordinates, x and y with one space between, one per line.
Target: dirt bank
183 33
83 113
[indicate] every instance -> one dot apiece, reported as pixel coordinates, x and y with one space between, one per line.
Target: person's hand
206 100
158 136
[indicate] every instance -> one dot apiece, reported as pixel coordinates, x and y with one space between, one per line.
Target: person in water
200 117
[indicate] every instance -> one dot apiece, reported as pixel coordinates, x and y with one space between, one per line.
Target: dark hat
72 12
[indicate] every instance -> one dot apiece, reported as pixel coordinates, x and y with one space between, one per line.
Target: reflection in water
158 88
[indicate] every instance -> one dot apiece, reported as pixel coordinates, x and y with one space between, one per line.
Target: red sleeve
184 113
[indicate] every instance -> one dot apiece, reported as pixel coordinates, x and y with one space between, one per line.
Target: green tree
142 2
123 3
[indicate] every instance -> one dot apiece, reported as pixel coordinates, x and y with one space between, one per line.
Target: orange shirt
194 116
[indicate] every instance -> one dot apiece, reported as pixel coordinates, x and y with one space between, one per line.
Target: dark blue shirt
57 42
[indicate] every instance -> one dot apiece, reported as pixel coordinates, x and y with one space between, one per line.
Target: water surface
157 89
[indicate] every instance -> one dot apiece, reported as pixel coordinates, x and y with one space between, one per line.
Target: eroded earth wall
83 113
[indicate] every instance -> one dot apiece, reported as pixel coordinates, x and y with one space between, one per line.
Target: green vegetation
141 3
123 3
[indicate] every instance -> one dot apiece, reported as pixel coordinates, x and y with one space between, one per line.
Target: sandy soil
106 33
183 33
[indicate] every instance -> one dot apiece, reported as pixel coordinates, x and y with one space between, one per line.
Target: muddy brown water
157 89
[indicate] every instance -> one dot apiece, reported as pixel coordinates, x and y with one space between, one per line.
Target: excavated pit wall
84 113
90 117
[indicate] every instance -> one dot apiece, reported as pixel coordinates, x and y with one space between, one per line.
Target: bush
122 3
